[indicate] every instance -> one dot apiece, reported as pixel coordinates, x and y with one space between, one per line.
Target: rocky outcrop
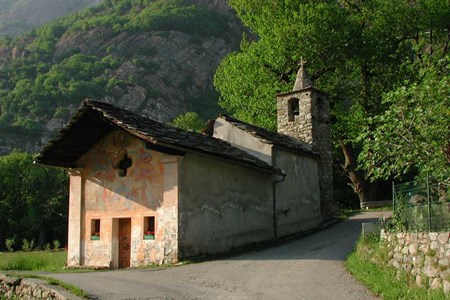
167 73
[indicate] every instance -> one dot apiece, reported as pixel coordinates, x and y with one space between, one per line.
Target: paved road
306 268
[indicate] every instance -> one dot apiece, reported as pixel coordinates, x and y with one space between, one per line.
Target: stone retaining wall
19 288
426 256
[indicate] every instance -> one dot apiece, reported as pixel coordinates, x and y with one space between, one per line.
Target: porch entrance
124 242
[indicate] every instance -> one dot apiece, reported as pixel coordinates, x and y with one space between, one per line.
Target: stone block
398 257
405 250
368 228
418 261
435 283
396 264
446 286
430 271
419 280
443 238
444 262
413 249
413 237
433 236
445 274
434 245
424 248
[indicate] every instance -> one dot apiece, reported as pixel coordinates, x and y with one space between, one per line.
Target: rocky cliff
156 58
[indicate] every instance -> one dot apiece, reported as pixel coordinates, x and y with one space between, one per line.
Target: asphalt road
306 268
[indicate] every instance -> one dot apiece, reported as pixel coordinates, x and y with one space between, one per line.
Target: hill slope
18 16
155 57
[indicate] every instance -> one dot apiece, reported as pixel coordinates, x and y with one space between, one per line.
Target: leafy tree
413 133
33 200
357 51
189 121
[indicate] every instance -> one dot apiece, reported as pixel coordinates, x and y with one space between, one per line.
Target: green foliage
27 246
412 134
45 77
9 243
359 52
33 261
33 201
56 245
189 121
369 264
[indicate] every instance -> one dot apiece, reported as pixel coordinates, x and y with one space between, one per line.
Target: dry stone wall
19 288
426 256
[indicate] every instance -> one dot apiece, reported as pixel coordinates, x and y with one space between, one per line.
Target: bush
9 243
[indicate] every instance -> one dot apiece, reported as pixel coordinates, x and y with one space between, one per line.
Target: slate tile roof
95 119
271 137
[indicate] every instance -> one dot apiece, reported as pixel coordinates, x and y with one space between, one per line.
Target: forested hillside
152 56
18 16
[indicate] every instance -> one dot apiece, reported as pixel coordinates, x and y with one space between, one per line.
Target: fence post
393 197
429 202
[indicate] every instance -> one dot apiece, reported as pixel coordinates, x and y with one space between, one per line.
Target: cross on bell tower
304 114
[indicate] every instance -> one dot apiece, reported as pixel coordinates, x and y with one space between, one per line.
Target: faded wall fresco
123 179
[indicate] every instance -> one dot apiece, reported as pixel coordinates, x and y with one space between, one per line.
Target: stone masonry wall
311 125
18 288
426 256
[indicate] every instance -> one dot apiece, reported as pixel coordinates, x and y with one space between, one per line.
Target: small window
293 109
149 228
95 229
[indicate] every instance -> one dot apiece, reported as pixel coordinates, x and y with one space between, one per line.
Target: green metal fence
422 205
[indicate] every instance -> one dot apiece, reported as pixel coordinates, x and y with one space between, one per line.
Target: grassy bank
33 261
367 263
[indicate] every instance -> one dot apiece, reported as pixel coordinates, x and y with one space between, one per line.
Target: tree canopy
359 52
33 201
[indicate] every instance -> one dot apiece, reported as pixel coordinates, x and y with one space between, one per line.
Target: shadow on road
331 243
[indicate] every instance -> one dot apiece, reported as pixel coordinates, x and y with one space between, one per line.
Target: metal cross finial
302 62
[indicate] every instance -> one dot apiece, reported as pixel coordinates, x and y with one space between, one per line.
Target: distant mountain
18 16
155 57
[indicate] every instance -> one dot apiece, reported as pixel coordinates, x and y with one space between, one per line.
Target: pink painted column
76 197
169 214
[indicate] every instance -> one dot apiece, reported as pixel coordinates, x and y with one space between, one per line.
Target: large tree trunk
366 190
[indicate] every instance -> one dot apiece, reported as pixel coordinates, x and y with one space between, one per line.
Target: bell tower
304 114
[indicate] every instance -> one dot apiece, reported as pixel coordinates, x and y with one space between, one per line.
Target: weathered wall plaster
311 125
141 193
298 196
242 140
222 205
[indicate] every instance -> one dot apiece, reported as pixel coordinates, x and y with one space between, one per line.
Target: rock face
167 72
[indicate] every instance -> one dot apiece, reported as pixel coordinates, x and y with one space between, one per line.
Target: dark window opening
149 228
95 229
293 109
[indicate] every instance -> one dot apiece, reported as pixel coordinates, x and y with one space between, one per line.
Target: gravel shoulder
310 267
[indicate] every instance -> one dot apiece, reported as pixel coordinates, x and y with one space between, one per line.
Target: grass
33 261
367 263
52 281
